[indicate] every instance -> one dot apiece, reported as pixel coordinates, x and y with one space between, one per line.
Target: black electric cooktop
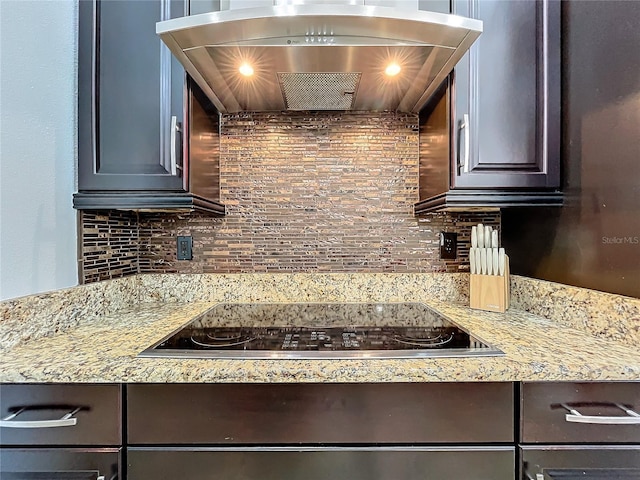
320 330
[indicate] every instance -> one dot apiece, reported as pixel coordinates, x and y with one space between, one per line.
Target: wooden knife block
490 292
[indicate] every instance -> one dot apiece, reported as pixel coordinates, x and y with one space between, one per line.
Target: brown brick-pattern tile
325 192
403 245
108 245
305 192
461 223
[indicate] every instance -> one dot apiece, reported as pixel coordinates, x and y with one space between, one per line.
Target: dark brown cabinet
316 414
321 463
491 136
62 463
60 431
321 431
580 430
140 121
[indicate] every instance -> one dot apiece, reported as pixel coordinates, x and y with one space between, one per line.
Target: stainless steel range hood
319 56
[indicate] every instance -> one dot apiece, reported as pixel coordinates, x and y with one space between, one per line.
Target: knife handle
472 260
483 261
494 239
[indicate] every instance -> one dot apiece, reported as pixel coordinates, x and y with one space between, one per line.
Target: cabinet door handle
574 416
176 129
465 128
67 420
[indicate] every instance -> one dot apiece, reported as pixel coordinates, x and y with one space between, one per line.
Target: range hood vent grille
319 91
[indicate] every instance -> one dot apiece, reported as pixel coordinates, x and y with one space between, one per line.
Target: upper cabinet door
131 98
507 97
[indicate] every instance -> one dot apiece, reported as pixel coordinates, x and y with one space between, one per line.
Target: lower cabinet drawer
581 412
286 414
490 463
584 461
58 414
59 463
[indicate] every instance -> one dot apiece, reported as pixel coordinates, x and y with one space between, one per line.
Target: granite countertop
104 349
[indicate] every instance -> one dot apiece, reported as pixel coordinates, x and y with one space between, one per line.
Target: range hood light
246 69
392 69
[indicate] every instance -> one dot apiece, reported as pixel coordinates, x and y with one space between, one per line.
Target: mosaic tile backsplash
108 245
305 192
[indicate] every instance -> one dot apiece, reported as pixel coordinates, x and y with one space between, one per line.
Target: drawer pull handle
67 420
632 418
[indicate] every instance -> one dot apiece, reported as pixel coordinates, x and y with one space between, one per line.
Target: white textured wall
37 145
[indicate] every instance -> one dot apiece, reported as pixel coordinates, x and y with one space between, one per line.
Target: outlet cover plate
448 245
185 247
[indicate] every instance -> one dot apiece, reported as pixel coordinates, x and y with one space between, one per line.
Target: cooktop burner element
426 342
320 330
222 338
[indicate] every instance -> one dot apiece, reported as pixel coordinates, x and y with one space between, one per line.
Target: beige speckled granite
45 314
105 351
114 321
602 314
304 287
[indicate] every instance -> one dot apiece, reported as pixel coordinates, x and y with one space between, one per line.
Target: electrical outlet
448 245
185 248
